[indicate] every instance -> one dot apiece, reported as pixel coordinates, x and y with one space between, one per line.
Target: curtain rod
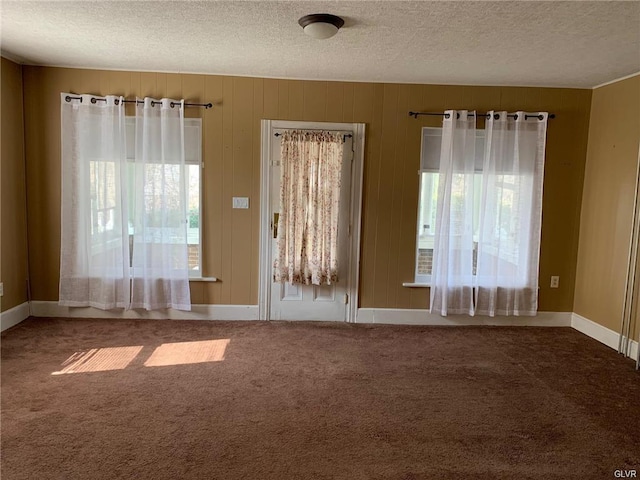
496 116
346 134
68 98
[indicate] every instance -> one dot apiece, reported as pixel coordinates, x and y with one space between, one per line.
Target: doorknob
274 225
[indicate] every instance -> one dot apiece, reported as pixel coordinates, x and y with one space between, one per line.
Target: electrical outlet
1 289
555 281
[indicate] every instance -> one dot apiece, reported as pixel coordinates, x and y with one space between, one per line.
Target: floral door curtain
307 244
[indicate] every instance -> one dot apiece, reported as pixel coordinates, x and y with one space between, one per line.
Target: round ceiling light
321 25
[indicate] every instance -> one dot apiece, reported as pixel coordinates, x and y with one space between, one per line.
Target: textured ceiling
574 44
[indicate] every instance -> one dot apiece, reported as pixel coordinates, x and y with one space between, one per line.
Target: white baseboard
424 317
602 334
391 316
14 316
198 312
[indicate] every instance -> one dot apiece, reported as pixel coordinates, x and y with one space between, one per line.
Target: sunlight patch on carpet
188 352
99 360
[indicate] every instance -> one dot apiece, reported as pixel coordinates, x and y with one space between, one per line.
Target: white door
312 302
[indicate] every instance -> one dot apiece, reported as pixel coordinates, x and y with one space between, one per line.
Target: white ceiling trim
617 80
499 43
13 58
266 77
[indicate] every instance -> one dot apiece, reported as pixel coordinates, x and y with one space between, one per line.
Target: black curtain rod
68 98
344 137
496 116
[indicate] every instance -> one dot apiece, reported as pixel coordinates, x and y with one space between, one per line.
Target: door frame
355 210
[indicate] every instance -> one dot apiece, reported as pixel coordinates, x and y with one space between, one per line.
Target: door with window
296 301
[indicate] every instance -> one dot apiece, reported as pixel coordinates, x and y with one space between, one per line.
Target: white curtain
310 171
453 252
510 214
94 255
488 220
160 252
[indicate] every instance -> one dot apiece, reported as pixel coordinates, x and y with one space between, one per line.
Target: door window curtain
160 261
489 266
307 244
94 253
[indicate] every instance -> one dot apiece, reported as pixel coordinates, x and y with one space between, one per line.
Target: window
193 191
428 197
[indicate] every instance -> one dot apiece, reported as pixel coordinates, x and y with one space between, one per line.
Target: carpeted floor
312 401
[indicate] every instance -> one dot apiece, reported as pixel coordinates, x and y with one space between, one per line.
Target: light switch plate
240 202
1 289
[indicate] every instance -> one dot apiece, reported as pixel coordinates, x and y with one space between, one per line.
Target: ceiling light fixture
321 25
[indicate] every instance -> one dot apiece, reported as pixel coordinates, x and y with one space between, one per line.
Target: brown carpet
312 401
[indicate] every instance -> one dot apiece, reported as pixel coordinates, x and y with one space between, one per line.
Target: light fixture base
321 25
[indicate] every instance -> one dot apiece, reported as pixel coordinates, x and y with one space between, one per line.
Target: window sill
428 285
416 285
203 279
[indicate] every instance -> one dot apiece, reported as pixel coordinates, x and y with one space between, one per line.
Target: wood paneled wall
608 201
13 224
232 168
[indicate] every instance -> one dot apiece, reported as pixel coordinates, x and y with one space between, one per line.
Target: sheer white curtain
160 253
94 255
488 217
310 171
510 214
453 253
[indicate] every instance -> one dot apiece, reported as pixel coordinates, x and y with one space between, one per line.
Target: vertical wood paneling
13 216
434 99
399 216
48 167
419 298
147 84
485 98
348 105
161 85
258 114
173 86
270 100
34 149
212 214
334 101
409 200
197 292
608 200
119 83
367 108
383 220
456 99
231 153
296 100
241 186
227 189
193 92
315 99
283 100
